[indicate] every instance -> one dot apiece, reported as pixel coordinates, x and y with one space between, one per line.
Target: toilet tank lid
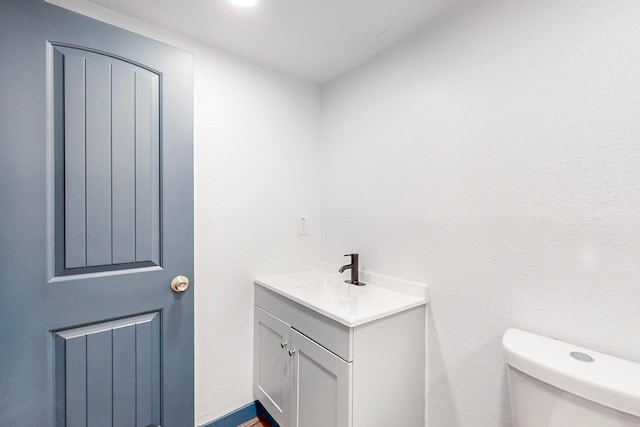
606 380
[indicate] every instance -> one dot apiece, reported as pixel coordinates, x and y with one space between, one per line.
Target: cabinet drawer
332 335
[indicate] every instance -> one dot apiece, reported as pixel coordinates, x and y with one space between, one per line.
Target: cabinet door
320 386
271 365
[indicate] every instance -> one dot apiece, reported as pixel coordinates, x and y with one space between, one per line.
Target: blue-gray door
96 219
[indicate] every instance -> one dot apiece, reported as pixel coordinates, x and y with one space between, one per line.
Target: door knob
180 283
292 352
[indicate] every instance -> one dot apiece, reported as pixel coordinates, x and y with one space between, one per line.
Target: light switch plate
303 225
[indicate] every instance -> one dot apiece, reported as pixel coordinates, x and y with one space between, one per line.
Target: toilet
555 384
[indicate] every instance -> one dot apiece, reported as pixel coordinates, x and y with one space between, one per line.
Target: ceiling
313 39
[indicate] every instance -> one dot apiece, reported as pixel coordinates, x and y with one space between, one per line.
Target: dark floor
256 422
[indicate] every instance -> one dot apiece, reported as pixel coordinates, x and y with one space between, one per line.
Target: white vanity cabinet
313 371
298 381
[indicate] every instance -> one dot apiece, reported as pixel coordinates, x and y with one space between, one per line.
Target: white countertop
328 294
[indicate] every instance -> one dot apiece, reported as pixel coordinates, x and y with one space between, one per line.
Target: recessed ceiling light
244 3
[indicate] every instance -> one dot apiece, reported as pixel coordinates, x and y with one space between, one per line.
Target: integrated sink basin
328 294
332 288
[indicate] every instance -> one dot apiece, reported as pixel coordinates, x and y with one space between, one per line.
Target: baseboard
241 415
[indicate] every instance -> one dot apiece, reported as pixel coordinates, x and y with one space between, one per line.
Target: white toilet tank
555 384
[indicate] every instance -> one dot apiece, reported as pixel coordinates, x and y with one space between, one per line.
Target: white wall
496 157
256 171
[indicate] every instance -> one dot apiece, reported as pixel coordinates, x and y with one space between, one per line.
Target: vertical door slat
143 168
124 376
143 374
98 95
155 370
155 169
123 173
99 379
76 382
74 161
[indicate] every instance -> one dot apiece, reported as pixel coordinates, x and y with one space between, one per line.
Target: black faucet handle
354 259
354 267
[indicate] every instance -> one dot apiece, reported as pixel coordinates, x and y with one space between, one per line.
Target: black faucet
354 270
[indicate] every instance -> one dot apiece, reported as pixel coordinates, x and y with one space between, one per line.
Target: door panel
271 364
108 373
110 187
96 200
320 386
